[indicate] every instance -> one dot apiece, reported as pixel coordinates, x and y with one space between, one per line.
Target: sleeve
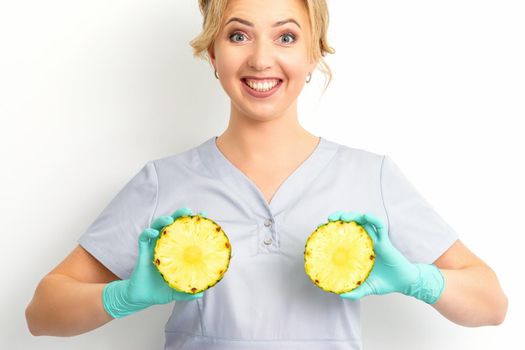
113 237
414 227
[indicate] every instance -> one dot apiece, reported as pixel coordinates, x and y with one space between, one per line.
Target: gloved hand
145 287
392 272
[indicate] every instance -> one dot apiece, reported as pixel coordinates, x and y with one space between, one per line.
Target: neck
253 140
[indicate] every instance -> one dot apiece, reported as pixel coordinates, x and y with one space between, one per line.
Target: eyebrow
250 24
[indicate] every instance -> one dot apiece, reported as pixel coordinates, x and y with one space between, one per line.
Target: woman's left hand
392 272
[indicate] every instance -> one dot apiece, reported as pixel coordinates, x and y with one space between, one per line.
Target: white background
92 90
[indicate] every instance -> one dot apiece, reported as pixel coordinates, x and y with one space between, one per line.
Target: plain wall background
90 91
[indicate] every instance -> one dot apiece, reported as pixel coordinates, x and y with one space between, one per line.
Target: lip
261 94
261 78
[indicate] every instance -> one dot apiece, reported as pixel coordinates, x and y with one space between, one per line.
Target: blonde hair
213 12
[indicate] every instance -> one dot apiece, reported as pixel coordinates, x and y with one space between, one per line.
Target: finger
186 296
378 225
145 245
161 221
203 214
371 232
148 234
181 212
181 296
361 291
361 220
335 216
351 216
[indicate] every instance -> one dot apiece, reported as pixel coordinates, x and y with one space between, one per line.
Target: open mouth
262 85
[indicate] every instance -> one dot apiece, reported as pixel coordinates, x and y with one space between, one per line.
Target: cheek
295 73
227 61
294 64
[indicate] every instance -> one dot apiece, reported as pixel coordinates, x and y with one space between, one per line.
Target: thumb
147 239
181 296
361 291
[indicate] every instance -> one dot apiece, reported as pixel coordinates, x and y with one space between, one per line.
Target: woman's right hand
146 286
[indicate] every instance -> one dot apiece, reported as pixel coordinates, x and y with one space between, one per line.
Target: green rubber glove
145 287
392 272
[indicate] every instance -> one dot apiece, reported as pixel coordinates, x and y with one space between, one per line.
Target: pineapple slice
339 256
192 254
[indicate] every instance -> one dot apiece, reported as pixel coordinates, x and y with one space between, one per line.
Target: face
254 48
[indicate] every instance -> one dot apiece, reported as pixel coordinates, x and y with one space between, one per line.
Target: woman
267 181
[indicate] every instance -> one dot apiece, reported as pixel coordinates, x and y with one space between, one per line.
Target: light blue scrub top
266 300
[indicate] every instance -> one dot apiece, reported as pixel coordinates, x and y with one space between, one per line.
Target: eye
236 34
288 35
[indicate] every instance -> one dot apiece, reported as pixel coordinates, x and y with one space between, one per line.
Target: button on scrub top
265 300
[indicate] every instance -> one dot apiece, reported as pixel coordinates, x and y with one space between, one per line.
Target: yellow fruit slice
192 254
339 256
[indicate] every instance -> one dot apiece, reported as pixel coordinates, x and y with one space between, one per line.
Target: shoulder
187 162
183 158
357 156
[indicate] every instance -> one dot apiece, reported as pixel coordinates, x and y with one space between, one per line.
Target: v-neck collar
287 194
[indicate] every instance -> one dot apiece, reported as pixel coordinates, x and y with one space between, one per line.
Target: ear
211 53
313 65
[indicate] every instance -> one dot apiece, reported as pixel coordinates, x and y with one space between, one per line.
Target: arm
459 285
80 294
472 295
68 300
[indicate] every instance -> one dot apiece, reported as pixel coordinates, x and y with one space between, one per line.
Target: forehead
267 11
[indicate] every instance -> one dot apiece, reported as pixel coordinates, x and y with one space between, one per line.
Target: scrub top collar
294 187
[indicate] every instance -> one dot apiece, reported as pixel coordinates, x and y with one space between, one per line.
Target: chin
262 117
261 114
258 110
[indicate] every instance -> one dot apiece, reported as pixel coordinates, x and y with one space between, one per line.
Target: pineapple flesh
339 256
192 254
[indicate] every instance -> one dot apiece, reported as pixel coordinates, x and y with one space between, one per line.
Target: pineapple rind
346 242
207 258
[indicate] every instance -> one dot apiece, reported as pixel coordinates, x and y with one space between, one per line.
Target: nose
261 57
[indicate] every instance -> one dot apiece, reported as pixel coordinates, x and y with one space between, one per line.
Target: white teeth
262 86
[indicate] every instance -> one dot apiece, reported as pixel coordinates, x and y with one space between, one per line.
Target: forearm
63 306
472 297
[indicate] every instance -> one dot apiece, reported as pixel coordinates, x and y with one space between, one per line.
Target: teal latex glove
145 287
392 272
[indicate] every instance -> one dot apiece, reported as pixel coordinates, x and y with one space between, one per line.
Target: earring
309 77
216 76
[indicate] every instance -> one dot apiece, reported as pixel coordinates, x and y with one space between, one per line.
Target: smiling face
262 43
